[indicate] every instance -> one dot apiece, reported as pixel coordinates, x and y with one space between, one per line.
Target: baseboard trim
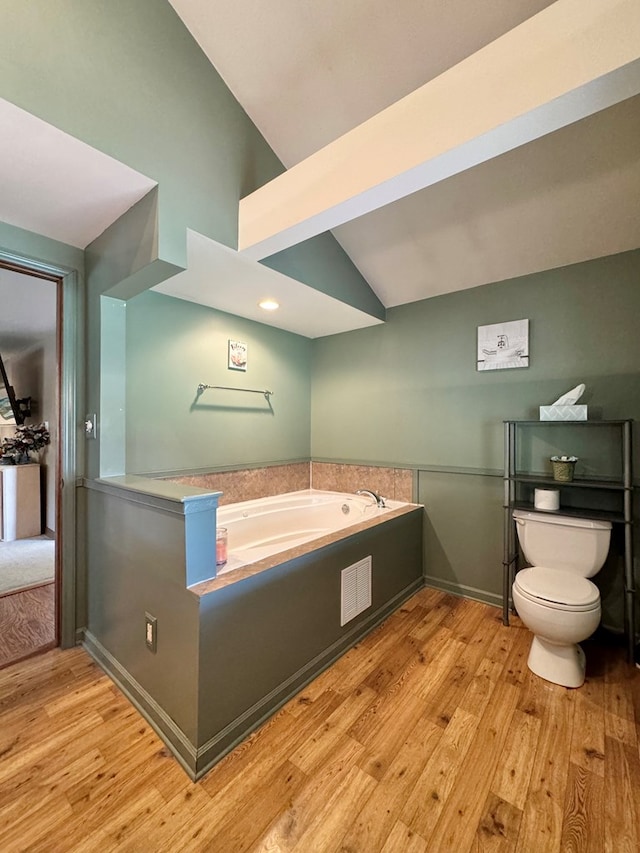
464 591
172 735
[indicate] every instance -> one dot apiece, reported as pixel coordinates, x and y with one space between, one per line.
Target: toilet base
560 664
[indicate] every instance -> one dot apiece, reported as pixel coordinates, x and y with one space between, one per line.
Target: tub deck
238 568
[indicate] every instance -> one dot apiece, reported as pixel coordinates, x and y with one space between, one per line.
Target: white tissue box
563 413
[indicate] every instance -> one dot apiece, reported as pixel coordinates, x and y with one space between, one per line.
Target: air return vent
356 590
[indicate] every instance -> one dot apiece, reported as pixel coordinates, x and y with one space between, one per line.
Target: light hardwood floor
430 735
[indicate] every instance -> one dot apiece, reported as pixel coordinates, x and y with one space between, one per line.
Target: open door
30 518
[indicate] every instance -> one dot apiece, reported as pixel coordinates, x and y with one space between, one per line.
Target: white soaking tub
260 528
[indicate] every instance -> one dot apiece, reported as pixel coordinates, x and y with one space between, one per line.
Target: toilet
554 598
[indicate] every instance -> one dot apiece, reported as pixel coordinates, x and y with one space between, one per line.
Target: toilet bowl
554 598
558 625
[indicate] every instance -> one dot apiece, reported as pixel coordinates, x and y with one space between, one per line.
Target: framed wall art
237 355
503 345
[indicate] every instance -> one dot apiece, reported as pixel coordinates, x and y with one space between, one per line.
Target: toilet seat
557 589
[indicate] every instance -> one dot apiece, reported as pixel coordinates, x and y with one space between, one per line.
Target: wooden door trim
70 304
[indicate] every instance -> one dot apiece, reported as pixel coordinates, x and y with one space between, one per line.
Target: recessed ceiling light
269 304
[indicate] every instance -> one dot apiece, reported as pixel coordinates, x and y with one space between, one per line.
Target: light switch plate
151 632
91 426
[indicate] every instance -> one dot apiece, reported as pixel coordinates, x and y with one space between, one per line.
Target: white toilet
554 599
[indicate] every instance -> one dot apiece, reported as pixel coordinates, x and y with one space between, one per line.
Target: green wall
408 393
35 247
173 346
136 565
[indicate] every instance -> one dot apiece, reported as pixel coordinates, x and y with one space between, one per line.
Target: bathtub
260 528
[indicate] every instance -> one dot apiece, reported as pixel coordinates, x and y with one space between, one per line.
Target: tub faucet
380 501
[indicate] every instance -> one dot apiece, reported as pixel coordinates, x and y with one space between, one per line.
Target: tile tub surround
394 483
247 484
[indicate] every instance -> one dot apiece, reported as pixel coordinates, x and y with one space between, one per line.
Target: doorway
30 564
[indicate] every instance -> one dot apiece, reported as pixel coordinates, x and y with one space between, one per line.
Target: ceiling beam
571 60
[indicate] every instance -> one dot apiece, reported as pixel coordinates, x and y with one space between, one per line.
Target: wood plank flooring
430 735
27 623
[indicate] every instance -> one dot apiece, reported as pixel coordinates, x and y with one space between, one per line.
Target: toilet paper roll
546 499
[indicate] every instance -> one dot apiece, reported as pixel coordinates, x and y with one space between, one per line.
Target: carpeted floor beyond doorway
26 563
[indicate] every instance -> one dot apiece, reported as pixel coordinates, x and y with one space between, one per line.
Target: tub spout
380 501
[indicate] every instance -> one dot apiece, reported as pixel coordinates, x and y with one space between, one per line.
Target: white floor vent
356 590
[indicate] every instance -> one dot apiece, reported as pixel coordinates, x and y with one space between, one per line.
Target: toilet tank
577 545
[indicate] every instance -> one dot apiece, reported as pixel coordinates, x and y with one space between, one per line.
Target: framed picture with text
237 355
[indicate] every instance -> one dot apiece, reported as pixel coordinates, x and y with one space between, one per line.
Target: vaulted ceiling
309 73
445 143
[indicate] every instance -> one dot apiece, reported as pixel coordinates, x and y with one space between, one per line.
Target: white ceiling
221 278
55 185
307 72
571 196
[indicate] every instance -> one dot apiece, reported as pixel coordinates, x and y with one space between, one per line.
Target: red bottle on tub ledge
221 546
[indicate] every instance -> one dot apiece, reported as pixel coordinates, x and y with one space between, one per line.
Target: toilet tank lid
566 520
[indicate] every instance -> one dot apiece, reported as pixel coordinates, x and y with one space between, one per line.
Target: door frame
70 348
